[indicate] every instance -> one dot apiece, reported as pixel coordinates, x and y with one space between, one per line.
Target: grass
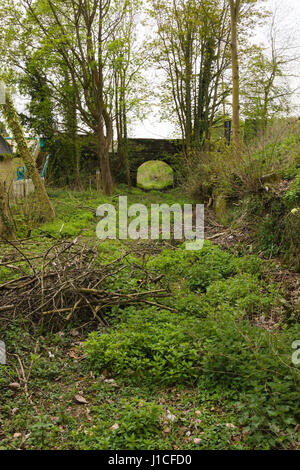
76 211
214 374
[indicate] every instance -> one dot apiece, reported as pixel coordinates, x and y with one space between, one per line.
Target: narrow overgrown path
144 345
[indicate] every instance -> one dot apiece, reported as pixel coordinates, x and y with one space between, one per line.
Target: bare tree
266 91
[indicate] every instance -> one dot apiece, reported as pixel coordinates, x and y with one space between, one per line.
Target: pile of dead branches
72 279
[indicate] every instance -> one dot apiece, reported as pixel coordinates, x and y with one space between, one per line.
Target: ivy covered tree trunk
104 140
14 124
121 123
7 231
103 153
69 112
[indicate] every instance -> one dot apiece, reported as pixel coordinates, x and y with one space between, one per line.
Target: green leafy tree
80 33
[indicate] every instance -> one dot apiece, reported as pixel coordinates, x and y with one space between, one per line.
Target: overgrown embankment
259 192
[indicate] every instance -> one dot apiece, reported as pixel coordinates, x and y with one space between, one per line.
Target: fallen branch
6 307
70 280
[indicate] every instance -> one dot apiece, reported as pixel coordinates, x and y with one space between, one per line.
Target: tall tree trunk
234 13
107 182
188 91
71 125
14 124
7 231
103 144
76 156
121 125
125 137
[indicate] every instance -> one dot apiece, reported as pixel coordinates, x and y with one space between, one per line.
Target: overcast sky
288 32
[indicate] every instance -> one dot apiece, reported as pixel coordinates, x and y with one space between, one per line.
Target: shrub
190 304
249 264
275 153
209 342
199 277
178 261
250 365
149 345
201 268
212 264
245 293
292 196
173 262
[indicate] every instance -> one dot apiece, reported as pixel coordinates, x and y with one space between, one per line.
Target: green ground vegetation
212 369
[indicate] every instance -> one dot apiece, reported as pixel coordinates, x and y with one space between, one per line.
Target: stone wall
143 150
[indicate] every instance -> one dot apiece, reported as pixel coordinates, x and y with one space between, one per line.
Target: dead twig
72 280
